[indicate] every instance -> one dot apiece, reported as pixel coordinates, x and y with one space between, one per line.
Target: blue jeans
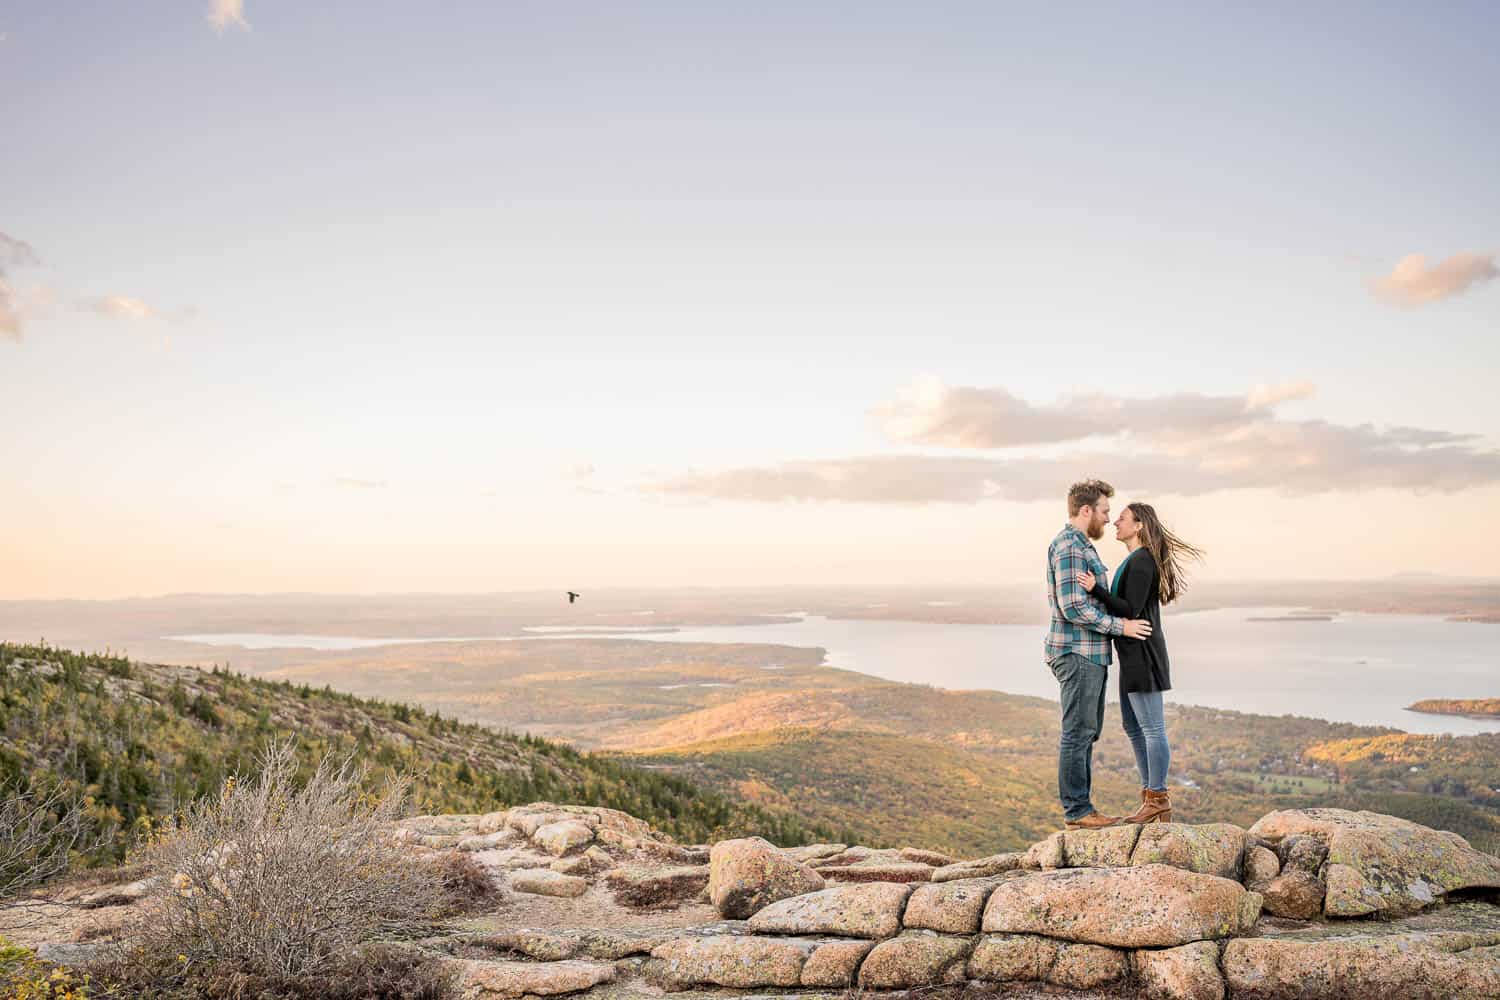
1146 725
1082 682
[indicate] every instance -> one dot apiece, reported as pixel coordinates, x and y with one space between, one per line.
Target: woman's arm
1113 603
1136 588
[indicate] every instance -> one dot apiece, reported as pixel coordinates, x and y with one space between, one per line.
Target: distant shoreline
1470 708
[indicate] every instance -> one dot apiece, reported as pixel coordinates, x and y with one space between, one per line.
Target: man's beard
1096 530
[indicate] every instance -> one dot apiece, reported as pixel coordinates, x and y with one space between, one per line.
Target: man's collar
1083 535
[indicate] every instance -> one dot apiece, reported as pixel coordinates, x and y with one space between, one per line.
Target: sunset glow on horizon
348 298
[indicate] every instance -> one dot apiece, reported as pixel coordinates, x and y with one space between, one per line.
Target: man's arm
1068 564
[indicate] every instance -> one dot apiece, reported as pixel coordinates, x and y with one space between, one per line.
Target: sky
356 297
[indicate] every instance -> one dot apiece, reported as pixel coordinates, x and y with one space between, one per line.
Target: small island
1474 708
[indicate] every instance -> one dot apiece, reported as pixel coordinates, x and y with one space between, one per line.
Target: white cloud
226 14
1412 283
13 253
124 307
10 311
349 482
931 413
1183 444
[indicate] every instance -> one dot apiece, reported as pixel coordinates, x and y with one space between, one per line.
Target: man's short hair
1087 494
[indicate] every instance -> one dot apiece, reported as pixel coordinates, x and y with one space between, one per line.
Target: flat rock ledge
1154 906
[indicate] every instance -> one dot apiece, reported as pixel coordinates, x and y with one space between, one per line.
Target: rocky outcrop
1166 911
1105 906
748 874
1376 864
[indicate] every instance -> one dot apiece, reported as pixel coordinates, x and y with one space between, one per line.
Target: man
1078 648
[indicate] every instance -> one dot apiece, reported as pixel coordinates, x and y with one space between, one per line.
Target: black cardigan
1143 662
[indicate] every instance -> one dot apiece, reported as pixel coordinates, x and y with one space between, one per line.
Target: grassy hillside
975 771
131 740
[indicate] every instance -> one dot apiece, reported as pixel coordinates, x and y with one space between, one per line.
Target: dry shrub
373 972
271 883
39 830
466 884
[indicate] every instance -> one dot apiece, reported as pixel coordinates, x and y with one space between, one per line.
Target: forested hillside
132 740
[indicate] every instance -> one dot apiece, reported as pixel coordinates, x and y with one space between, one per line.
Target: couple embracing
1089 612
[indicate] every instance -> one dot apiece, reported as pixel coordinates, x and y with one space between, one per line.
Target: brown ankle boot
1093 821
1156 807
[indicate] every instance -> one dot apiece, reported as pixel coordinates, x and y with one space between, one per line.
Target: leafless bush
278 883
39 830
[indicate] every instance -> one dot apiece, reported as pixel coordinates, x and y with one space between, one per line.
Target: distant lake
1354 668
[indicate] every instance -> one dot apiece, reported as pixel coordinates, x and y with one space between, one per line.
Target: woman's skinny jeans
1142 715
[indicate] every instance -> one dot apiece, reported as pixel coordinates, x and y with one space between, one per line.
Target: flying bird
572 597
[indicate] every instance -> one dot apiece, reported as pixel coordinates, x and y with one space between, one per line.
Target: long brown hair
1169 551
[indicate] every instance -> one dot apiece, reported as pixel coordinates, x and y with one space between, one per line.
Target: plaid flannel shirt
1079 623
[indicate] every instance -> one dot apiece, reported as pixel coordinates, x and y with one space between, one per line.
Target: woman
1150 576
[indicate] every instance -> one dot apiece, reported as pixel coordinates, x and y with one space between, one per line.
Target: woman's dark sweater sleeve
1135 590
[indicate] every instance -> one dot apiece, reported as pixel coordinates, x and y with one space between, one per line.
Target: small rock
1348 894
834 963
1304 852
1209 848
747 874
1013 958
1107 848
541 882
727 960
950 907
814 852
578 864
613 945
558 839
1087 966
647 887
858 856
1188 972
1046 855
995 864
539 945
878 873
484 841
916 958
1261 866
924 857
599 858
516 979
867 911
1295 894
